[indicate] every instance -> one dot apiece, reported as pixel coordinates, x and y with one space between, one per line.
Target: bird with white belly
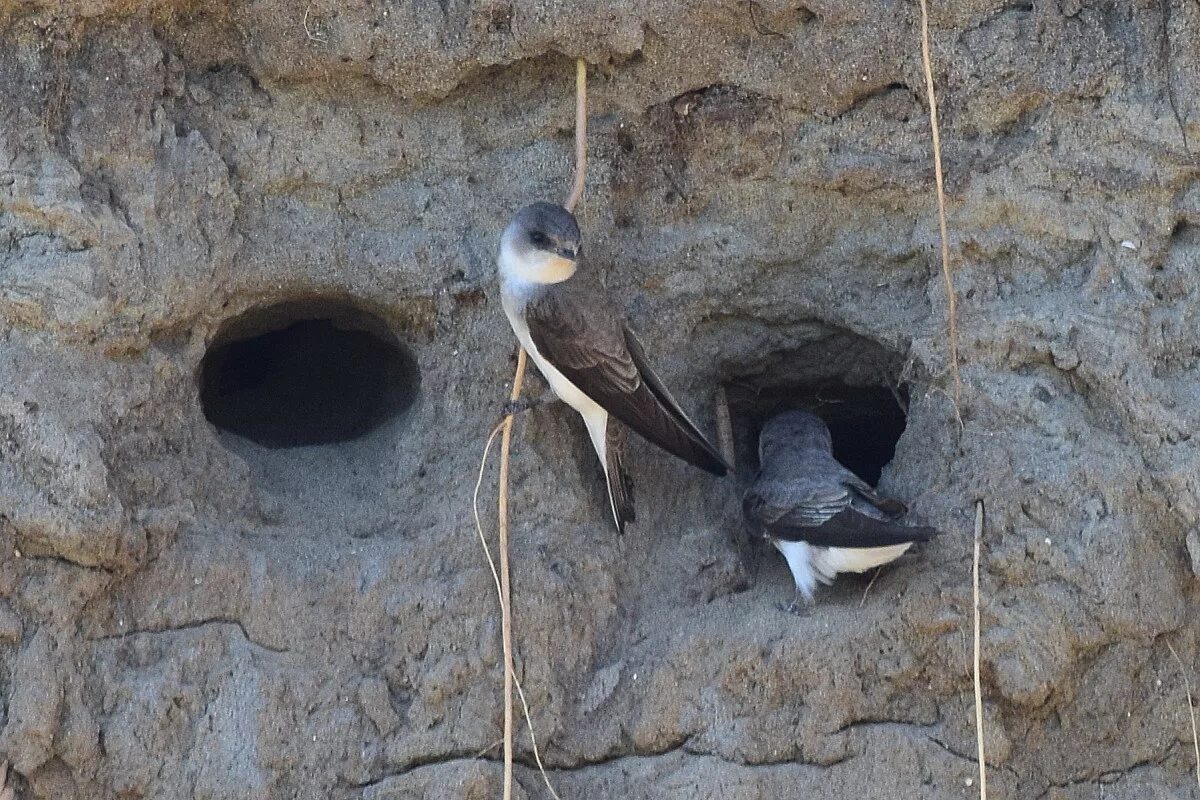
822 517
587 354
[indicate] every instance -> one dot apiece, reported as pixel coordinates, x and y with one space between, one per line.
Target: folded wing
620 485
829 513
595 351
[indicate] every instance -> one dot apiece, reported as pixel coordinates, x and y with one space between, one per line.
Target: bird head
541 245
793 430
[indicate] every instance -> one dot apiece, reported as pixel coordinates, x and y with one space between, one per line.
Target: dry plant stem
951 299
978 686
724 426
871 583
537 755
505 583
319 38
580 135
498 742
1187 688
487 551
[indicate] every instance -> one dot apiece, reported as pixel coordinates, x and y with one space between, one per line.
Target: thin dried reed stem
947 277
975 660
537 755
503 578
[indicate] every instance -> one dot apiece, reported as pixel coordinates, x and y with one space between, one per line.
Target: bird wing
794 500
584 341
620 484
716 462
893 508
819 508
852 528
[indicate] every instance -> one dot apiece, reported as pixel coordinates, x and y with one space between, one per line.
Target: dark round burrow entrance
851 382
309 372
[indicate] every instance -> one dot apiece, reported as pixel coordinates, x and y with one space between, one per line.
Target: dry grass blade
935 132
725 427
1187 688
502 576
867 591
505 583
537 755
489 748
975 659
580 135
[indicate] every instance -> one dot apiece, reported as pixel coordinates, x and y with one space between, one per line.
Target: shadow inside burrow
313 394
855 384
865 422
306 372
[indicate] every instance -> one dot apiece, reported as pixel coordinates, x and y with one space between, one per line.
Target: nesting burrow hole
851 382
310 372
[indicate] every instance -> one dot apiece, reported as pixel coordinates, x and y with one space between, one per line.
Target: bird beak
567 253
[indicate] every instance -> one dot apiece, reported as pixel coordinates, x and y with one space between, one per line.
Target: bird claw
797 607
514 407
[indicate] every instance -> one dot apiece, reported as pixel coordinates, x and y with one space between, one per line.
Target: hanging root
502 576
975 659
537 755
725 427
947 277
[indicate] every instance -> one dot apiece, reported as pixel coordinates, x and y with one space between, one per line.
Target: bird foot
797 607
514 407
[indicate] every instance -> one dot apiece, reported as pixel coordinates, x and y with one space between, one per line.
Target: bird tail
620 485
850 528
677 434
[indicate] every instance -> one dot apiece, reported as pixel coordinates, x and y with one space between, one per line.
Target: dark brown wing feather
852 528
812 498
888 505
620 485
591 347
714 462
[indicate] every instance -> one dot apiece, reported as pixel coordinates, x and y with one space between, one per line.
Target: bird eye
538 238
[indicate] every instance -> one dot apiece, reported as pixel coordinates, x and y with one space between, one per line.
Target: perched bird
822 517
591 360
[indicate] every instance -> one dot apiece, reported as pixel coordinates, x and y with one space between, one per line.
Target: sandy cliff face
187 613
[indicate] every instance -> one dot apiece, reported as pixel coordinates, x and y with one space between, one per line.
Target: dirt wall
188 614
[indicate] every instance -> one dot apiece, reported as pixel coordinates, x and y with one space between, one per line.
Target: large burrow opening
856 385
306 372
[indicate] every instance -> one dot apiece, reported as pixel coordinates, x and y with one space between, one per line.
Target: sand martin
587 354
822 517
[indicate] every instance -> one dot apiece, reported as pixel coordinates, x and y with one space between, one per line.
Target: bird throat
550 269
537 269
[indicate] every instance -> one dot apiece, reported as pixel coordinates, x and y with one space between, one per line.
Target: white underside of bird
811 564
594 416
